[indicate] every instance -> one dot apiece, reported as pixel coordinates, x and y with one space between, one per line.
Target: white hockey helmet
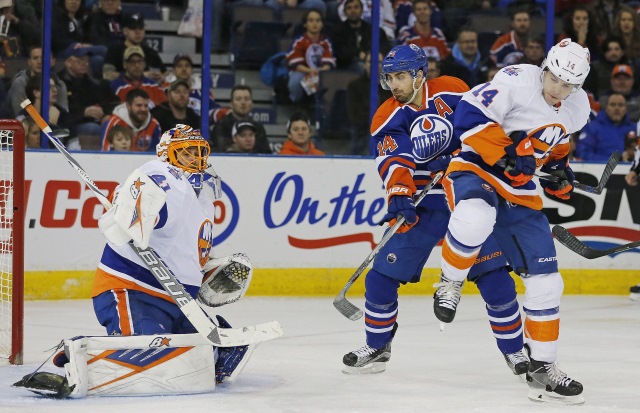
569 62
174 148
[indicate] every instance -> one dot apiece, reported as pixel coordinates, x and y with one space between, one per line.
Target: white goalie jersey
182 236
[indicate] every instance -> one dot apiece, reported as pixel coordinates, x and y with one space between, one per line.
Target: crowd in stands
112 91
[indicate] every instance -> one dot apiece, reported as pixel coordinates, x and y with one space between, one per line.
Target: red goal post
12 145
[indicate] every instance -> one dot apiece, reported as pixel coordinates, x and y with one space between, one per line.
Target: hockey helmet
175 148
406 58
569 62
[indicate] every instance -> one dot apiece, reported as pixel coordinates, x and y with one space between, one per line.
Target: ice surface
459 370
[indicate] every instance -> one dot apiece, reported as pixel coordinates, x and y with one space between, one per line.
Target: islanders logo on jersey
205 241
430 135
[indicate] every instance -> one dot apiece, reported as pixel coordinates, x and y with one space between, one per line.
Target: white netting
6 240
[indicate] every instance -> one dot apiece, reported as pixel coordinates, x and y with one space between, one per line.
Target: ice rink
459 370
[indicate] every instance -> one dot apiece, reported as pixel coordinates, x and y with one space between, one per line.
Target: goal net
11 239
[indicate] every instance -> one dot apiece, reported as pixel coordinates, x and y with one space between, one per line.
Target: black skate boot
446 299
634 293
368 360
547 383
517 362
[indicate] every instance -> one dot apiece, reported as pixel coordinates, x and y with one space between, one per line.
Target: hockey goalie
151 347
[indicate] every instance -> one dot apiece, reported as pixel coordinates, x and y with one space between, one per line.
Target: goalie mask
186 149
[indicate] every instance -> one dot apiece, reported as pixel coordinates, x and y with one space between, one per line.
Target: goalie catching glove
136 207
226 280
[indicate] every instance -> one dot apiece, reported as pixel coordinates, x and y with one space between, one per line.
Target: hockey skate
368 360
547 383
231 360
518 362
634 293
446 299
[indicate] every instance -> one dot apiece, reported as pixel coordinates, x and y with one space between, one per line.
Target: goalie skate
446 299
368 360
547 383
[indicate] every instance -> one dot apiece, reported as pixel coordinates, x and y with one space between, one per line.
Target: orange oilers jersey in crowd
513 102
507 50
404 138
434 44
183 238
305 51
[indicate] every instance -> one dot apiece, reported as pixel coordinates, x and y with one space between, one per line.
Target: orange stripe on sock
542 330
455 260
380 323
509 327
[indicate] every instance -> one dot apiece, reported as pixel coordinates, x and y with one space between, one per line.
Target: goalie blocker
139 366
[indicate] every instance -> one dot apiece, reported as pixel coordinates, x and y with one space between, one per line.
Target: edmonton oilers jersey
404 138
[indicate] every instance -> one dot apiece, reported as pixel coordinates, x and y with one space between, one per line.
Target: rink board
306 223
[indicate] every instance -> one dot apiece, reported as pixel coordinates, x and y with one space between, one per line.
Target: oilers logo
205 241
430 135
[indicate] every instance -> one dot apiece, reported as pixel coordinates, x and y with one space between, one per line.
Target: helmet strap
415 90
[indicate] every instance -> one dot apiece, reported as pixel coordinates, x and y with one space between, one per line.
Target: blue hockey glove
563 188
401 204
441 163
521 164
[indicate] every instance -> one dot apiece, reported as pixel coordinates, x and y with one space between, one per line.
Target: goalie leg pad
231 361
226 280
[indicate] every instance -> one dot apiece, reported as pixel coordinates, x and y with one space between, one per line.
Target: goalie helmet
185 148
407 58
569 62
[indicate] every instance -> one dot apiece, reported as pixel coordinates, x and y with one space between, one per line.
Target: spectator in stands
433 70
607 132
241 106
309 54
358 97
183 70
104 25
133 32
31 133
465 61
134 114
508 48
534 51
580 27
351 39
244 137
20 29
134 78
278 5
299 137
19 82
430 39
491 72
176 110
627 26
599 79
387 17
90 100
605 12
630 145
120 138
59 117
622 81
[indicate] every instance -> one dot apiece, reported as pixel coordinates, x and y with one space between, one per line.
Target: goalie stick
344 306
220 337
606 174
570 241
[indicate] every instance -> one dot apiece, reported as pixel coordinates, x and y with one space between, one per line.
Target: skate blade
634 297
371 368
540 395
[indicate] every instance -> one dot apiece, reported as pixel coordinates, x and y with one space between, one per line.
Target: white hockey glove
135 211
226 280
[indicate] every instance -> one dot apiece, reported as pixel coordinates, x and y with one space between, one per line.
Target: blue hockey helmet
406 58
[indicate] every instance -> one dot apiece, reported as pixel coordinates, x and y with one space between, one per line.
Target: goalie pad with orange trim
139 365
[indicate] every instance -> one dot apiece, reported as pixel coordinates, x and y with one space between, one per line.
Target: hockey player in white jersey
509 127
171 202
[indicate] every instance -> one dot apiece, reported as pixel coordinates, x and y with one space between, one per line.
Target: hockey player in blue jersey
412 137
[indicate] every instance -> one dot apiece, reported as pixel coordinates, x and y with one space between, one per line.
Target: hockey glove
401 204
440 163
521 164
563 188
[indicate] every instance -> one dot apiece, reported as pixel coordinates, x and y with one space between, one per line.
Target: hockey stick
221 337
606 174
570 241
344 306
